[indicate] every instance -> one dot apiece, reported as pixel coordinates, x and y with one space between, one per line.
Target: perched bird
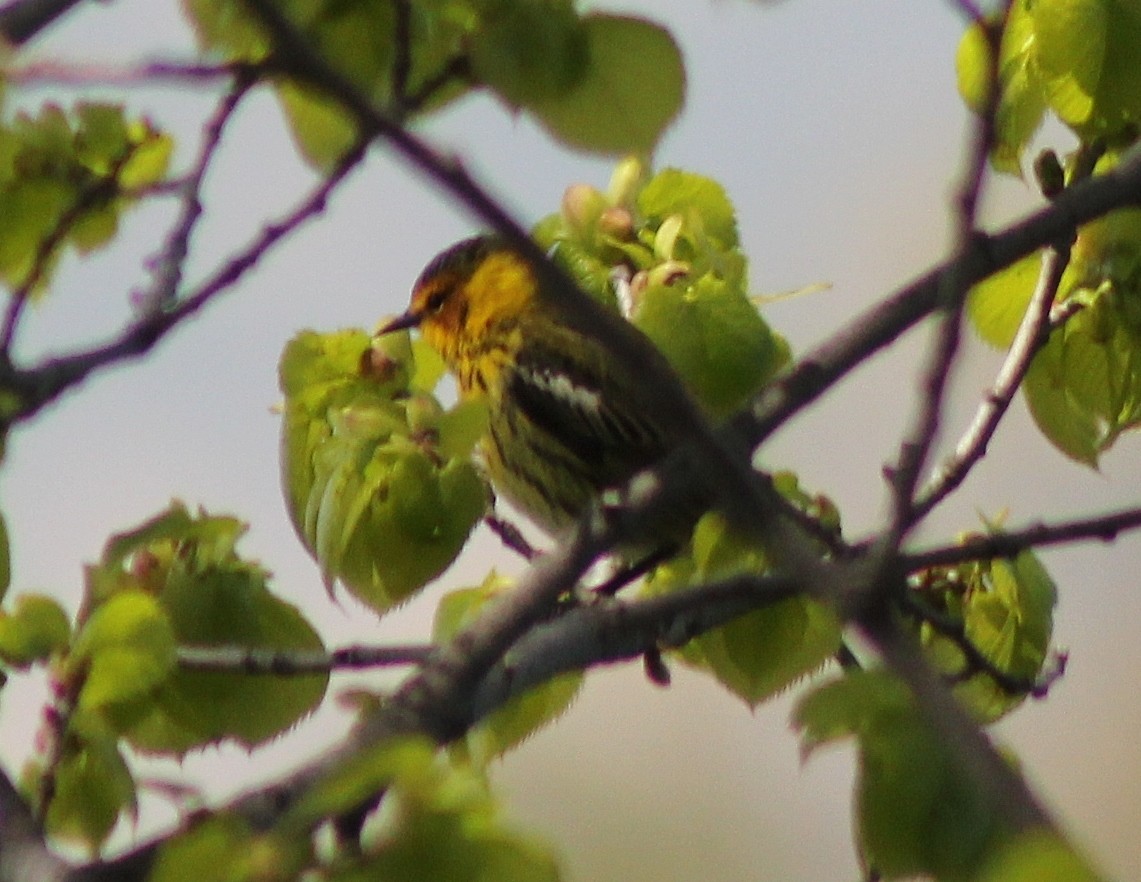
579 399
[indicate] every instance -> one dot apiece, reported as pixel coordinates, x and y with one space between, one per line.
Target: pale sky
837 131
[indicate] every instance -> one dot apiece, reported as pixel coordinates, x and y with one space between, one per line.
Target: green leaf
435 821
524 715
214 848
714 338
5 553
916 812
379 482
1084 386
632 88
226 28
322 130
66 178
997 304
35 630
1006 611
1037 856
530 52
1022 104
1070 45
184 570
701 201
92 787
763 652
126 648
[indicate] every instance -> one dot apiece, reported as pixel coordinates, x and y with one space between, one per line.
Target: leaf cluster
175 580
1075 59
597 82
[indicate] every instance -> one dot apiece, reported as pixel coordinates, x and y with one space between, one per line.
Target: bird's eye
436 300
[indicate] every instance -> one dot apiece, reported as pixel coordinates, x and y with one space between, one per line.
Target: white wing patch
564 388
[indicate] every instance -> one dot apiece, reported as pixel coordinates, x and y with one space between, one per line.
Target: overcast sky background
837 131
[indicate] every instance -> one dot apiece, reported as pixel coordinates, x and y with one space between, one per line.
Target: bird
579 400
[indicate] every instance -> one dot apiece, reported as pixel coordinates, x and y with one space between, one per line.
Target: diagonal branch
36 386
1031 333
953 286
167 265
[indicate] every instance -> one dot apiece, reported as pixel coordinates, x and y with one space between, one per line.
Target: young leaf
715 339
66 179
379 482
33 631
435 821
761 653
184 573
530 52
916 813
521 717
1005 610
996 304
126 649
93 786
1084 385
1038 857
632 88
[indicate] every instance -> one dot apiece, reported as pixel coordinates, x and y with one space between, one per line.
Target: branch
884 323
1104 528
167 265
21 20
291 663
613 631
57 73
37 386
23 853
1032 332
953 288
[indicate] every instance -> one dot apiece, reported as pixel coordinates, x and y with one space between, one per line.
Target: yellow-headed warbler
579 399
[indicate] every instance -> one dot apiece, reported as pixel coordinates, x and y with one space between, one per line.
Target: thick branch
21 20
887 321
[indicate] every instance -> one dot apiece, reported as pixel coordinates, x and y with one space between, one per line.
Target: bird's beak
408 320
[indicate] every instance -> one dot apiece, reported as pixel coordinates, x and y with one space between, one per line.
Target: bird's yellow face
466 304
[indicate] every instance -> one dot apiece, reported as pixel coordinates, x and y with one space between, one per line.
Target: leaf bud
665 239
626 181
617 222
582 206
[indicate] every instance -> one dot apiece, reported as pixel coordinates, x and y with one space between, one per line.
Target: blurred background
836 129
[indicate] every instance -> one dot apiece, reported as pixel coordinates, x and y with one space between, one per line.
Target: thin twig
975 661
402 52
167 265
511 536
1104 528
1031 334
38 385
94 193
292 663
454 70
36 74
952 298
